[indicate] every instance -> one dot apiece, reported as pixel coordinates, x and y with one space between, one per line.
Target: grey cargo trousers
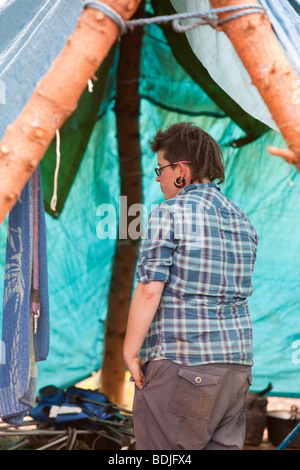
191 407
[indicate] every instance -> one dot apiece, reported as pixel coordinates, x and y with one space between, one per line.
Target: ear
182 169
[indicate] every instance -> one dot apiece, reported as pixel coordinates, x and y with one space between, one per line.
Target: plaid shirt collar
193 186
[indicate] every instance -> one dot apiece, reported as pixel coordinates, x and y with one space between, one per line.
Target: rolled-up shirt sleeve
157 246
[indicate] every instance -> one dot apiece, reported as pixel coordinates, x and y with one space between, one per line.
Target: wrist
129 355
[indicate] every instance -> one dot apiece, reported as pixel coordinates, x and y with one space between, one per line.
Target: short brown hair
185 141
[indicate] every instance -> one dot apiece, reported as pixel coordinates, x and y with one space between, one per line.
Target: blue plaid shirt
203 247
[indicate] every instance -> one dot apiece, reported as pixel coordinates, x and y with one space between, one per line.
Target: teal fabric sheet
79 264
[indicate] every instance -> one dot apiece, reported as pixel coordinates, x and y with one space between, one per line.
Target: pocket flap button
198 380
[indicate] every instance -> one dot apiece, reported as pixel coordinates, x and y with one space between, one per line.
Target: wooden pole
272 74
127 109
55 98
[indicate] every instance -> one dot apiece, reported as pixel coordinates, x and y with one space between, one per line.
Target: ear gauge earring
180 182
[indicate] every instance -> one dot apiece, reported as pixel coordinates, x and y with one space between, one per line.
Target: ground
274 403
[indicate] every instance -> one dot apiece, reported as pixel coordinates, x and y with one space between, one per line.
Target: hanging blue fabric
285 18
296 5
25 336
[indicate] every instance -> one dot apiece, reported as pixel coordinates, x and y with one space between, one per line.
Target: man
188 344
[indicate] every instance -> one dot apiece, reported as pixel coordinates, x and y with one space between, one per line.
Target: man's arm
143 307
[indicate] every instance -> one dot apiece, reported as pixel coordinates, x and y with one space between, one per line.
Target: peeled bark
55 98
127 109
272 74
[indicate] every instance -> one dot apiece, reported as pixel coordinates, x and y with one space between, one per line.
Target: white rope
54 197
90 86
108 11
205 17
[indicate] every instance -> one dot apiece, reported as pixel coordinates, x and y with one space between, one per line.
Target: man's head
185 142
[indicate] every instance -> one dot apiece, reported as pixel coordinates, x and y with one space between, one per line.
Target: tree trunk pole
55 98
270 71
127 109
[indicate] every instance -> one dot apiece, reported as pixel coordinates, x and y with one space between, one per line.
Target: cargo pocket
194 394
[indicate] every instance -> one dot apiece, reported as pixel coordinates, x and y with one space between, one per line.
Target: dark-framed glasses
158 171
